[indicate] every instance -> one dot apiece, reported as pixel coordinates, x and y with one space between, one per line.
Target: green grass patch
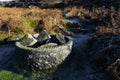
7 75
7 38
31 22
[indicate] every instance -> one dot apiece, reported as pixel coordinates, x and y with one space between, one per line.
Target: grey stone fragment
28 40
43 36
60 38
36 35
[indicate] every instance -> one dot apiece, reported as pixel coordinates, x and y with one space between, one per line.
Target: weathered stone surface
28 40
49 45
44 57
61 38
43 36
36 35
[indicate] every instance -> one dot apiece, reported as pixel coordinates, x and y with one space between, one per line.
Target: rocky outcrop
28 40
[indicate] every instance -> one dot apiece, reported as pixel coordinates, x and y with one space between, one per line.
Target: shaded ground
6 53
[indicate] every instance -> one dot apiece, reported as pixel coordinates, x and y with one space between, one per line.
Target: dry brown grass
76 12
106 30
24 20
107 19
111 24
20 21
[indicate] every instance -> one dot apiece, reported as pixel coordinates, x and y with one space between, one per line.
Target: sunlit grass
20 21
7 75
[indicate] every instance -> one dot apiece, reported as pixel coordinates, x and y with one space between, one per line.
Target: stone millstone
45 55
49 45
28 40
43 36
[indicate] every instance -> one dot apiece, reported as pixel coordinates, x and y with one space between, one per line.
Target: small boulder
36 35
60 38
43 36
28 40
